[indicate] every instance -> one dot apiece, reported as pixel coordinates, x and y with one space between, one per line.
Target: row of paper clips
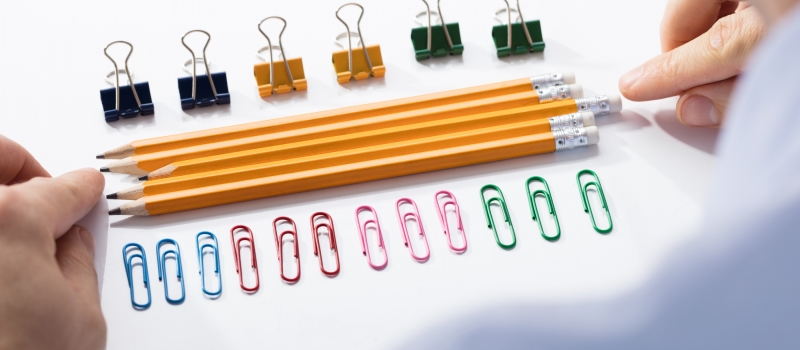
284 74
322 223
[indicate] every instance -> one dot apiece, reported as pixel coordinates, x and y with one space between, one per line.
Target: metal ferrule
554 93
572 120
597 105
545 80
571 137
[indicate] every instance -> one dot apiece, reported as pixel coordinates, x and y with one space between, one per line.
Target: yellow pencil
295 165
344 142
140 165
165 143
370 170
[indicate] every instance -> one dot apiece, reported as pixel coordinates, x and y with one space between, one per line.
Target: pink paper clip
413 215
237 257
362 231
279 245
442 210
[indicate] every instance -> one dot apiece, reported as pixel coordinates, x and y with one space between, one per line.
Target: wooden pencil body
342 175
150 162
351 141
165 143
332 159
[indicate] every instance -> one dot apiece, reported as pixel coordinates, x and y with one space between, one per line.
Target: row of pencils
522 117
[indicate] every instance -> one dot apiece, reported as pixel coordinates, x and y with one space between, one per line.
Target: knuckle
733 37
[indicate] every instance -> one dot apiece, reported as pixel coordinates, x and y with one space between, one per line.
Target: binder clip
199 89
435 40
278 77
125 101
360 63
516 38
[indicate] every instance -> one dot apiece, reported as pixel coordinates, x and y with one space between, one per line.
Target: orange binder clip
279 76
359 63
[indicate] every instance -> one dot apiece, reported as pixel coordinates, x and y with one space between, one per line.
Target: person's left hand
48 285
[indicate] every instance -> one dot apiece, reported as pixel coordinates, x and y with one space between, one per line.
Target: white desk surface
653 169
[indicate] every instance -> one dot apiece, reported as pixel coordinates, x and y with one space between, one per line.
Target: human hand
705 45
48 285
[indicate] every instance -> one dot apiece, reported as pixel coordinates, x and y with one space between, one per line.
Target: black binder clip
199 90
125 101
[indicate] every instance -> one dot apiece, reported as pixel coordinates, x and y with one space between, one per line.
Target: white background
654 170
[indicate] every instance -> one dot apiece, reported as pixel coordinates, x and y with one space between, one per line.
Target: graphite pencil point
143 178
105 170
116 211
100 156
111 196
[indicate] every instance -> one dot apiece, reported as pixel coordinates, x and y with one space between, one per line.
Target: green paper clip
436 40
535 211
517 38
501 201
583 188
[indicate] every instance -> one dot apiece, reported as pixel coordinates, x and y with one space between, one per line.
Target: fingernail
88 240
630 78
699 110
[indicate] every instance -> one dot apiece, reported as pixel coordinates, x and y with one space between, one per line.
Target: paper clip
413 215
362 231
214 250
200 90
125 101
349 64
516 38
501 201
161 260
238 258
279 246
442 210
535 211
332 237
583 188
128 261
436 40
282 78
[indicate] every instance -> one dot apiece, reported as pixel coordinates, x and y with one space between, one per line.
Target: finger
714 56
705 105
685 20
59 202
75 256
17 164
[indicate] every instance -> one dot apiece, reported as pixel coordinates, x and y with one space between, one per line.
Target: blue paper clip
162 268
215 250
199 90
128 260
125 101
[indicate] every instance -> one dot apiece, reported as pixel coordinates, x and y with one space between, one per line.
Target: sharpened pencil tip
100 156
105 170
111 196
116 211
143 178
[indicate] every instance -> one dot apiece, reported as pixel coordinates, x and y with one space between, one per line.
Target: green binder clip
436 40
517 38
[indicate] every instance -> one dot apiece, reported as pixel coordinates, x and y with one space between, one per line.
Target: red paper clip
279 246
414 215
362 231
331 236
238 258
442 210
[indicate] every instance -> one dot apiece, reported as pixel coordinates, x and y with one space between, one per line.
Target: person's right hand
48 285
705 45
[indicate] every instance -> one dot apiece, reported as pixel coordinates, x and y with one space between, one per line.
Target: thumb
75 254
705 105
